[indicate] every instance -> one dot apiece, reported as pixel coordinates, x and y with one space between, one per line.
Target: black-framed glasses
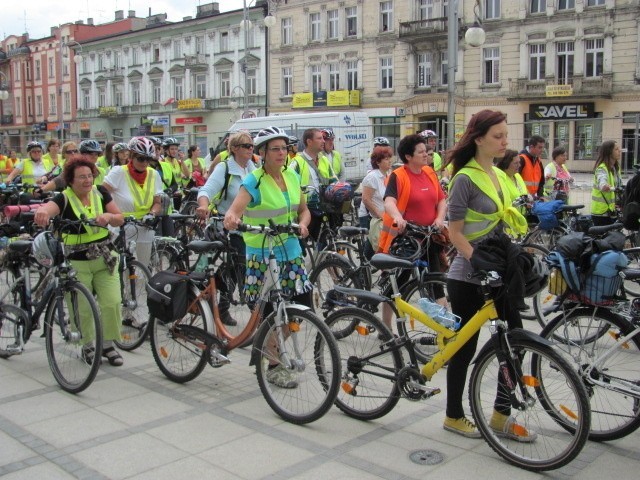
70 151
430 154
245 145
143 159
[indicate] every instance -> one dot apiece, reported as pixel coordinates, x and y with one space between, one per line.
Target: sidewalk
134 423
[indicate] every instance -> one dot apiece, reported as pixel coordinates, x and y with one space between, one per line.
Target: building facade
568 70
190 79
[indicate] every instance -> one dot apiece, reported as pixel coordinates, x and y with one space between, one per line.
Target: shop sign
565 111
85 126
188 120
302 100
558 90
320 99
190 104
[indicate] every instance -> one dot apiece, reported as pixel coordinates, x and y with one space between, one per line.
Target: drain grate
426 457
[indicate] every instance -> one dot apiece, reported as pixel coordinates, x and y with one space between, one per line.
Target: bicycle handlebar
272 229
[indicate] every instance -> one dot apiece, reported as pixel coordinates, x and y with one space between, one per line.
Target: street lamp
64 61
474 36
3 93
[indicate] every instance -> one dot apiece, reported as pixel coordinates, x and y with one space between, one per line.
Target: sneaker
281 377
461 426
507 426
227 319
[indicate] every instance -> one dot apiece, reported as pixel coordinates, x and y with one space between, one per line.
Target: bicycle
292 337
134 277
71 318
540 387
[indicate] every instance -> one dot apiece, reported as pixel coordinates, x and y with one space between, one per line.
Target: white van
353 131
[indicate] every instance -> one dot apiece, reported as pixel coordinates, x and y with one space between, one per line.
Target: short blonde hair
239 138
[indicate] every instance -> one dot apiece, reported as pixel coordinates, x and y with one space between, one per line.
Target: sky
38 16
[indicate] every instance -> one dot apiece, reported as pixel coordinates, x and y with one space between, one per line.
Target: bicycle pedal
429 392
14 349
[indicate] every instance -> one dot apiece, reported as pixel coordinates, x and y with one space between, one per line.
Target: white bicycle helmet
33 144
90 146
142 146
47 250
170 141
428 134
119 147
270 133
381 142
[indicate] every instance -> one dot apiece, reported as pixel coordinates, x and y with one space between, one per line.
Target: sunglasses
245 145
143 159
70 151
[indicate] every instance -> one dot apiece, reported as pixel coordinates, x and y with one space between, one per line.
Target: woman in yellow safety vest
606 179
479 207
33 170
273 192
53 153
92 255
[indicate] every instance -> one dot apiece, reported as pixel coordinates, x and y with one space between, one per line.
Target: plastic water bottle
4 241
201 264
439 313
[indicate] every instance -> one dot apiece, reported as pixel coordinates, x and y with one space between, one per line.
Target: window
566 4
491 65
314 27
316 78
27 72
135 56
594 57
29 104
352 75
334 76
537 62
177 49
224 41
156 54
425 10
16 71
53 110
177 85
224 79
386 16
287 31
100 61
156 91
66 102
424 69
444 68
86 98
252 81
18 109
538 6
200 44
116 60
135 93
65 68
351 15
287 81
39 105
117 95
565 62
251 35
200 81
491 9
52 68
594 3
386 73
332 24
37 66
102 96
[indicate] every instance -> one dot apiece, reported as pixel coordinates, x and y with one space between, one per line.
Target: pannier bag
603 279
167 296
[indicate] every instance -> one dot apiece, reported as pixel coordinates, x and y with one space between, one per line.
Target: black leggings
466 300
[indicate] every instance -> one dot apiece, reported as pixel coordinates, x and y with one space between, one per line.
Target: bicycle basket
167 296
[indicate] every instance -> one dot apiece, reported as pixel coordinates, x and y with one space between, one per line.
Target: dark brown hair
380 153
604 155
504 162
69 169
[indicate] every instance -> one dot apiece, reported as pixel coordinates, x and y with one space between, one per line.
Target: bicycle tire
425 339
331 271
369 388
582 336
14 327
177 356
238 308
73 372
165 258
313 345
548 379
544 238
135 313
346 250
530 313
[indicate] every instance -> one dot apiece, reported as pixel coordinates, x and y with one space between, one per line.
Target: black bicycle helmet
406 247
33 144
270 133
536 277
90 146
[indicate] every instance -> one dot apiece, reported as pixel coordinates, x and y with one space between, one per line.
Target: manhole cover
426 457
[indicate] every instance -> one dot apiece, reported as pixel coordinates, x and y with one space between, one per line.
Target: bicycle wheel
331 271
165 258
176 345
432 288
135 314
632 287
544 238
613 385
14 327
294 350
369 387
72 324
552 406
530 313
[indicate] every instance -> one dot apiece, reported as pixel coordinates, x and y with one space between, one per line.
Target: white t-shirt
121 194
39 170
374 179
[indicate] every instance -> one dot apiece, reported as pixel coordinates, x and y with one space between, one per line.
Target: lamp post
246 26
64 60
474 37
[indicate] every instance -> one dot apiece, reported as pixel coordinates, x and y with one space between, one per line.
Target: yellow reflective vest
142 195
603 203
92 234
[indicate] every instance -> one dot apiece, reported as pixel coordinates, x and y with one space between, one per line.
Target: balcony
6 119
522 88
253 101
433 29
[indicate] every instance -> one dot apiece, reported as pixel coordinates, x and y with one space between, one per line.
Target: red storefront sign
188 120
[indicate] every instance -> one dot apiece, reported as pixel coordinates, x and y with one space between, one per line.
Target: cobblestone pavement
134 423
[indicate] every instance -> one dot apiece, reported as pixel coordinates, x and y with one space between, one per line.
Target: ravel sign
565 111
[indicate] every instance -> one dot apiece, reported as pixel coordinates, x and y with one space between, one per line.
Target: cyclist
33 170
89 150
332 168
479 205
606 179
53 153
557 176
120 153
92 255
273 192
196 167
509 166
293 148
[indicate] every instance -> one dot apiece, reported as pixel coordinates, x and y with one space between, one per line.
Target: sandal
88 354
112 355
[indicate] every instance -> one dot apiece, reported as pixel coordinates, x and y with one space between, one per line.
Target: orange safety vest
403 184
531 174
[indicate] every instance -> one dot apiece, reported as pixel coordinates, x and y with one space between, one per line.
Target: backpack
631 204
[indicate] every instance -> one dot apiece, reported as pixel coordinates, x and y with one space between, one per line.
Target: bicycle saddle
604 229
21 246
364 295
383 261
203 246
352 231
572 208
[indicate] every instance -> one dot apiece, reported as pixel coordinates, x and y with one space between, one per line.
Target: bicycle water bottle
4 241
439 313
